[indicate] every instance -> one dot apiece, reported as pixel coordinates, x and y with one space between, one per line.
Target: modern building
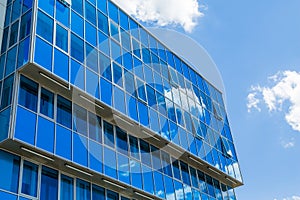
93 106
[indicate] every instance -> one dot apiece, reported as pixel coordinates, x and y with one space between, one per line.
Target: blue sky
251 41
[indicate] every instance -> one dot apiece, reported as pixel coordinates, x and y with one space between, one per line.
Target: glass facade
96 48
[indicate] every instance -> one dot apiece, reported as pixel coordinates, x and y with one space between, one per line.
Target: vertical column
2 17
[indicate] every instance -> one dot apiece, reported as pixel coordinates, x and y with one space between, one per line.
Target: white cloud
288 144
184 13
291 198
285 89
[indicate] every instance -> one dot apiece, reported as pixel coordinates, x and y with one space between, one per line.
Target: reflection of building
92 105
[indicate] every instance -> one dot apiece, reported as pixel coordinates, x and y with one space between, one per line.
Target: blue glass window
43 54
25 125
16 8
62 14
132 107
4 123
2 63
169 188
136 48
92 83
105 67
61 38
14 33
185 173
95 155
134 147
103 43
143 113
44 26
159 185
79 119
11 61
46 103
47 5
77 74
90 34
134 28
7 91
77 48
121 141
95 127
77 24
4 40
28 93
83 190
77 5
10 165
176 170
102 22
145 153
66 187
7 15
63 142
141 90
23 51
110 163
124 20
148 179
90 12
129 83
91 57
27 4
114 30
49 184
61 64
29 179
127 60
64 111
80 149
109 138
8 196
151 96
98 193
118 75
106 91
119 100
113 12
179 190
112 195
123 168
136 175
116 52
102 5
45 134
156 161
166 163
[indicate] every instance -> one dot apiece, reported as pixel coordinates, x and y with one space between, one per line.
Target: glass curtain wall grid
99 49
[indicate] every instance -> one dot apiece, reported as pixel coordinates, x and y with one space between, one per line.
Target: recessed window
64 111
46 103
28 93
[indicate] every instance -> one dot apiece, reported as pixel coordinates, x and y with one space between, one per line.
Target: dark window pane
46 103
9 174
7 91
134 147
90 13
27 4
102 22
77 6
28 93
77 48
83 190
145 153
44 26
16 10
176 169
29 179
11 61
66 188
121 142
185 173
98 193
118 75
64 111
4 40
23 52
109 138
14 33
49 184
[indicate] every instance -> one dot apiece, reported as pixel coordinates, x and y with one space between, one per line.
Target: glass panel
62 13
91 57
4 123
63 142
185 173
90 12
4 40
92 83
136 175
11 61
134 147
121 142
98 193
179 190
77 74
62 39
176 170
132 107
14 33
47 5
49 184
23 51
28 93
148 179
43 54
118 75
145 153
166 163
109 138
16 10
105 69
61 64
44 26
77 6
83 190
90 34
10 165
7 91
95 154
25 125
170 192
95 127
77 24
119 100
64 111
77 48
156 161
80 149
159 185
45 134
79 119
123 168
112 195
143 113
106 91
29 180
113 12
66 188
102 22
46 103
8 196
110 163
27 4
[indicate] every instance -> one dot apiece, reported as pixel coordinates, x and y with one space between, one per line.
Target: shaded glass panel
77 74
23 52
109 138
61 64
62 13
98 193
79 119
123 168
66 187
44 27
47 103
95 127
14 29
80 149
43 54
95 156
45 134
106 91
25 125
83 190
28 93
63 142
110 163
11 61
29 179
64 111
61 40
77 48
49 184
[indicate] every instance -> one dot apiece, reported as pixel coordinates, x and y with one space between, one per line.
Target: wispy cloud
285 88
287 144
291 198
184 13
